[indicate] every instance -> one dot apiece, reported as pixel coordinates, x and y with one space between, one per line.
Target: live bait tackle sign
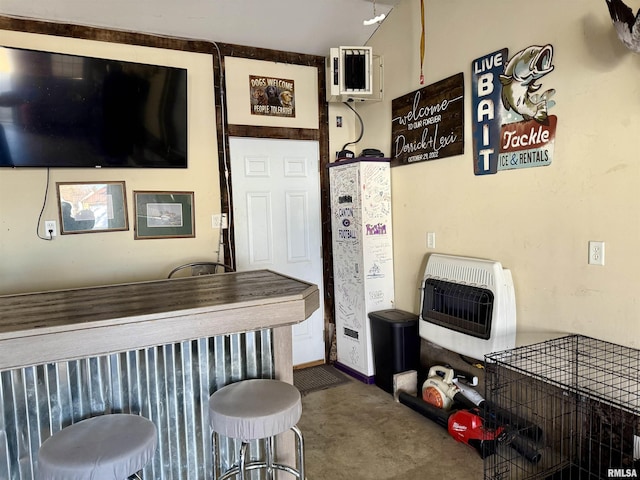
512 127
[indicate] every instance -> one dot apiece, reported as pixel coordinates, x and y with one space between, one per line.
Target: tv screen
59 110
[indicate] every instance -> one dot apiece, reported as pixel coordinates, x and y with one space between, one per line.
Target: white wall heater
353 74
468 305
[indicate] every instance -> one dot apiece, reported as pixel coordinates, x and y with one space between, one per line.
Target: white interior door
276 215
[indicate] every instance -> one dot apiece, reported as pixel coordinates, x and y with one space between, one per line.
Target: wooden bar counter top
61 325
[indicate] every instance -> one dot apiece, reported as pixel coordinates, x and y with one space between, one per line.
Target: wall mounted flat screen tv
59 110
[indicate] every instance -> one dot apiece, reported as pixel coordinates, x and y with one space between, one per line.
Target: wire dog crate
574 401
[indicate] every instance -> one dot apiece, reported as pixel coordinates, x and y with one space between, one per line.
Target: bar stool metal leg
215 440
242 463
300 443
269 453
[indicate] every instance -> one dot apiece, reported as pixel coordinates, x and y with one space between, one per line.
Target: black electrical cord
361 126
472 362
44 203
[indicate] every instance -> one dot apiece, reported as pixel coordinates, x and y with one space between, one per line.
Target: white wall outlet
50 228
223 221
431 239
596 253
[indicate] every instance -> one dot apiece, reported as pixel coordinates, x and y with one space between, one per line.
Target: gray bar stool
107 447
253 410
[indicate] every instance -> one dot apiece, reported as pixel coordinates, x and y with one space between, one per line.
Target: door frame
321 135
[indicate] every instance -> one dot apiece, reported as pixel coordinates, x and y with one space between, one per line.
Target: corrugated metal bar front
169 384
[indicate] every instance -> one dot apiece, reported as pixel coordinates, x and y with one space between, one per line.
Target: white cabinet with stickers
362 243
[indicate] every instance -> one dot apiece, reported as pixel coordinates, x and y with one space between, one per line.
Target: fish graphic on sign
519 85
513 127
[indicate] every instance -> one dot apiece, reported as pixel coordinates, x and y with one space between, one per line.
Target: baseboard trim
309 365
355 374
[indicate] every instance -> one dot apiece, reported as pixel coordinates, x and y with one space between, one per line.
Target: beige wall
347 133
536 221
28 263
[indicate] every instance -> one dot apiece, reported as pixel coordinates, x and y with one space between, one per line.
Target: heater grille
471 272
463 308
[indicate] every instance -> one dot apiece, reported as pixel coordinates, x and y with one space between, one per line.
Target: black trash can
396 344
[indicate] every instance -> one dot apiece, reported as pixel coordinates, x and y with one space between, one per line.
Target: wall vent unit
468 305
353 74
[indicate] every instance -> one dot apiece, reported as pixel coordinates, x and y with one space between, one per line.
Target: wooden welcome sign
429 123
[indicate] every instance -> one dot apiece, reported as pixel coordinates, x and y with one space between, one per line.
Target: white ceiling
302 26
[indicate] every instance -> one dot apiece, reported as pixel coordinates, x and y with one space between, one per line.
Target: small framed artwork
90 207
164 215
